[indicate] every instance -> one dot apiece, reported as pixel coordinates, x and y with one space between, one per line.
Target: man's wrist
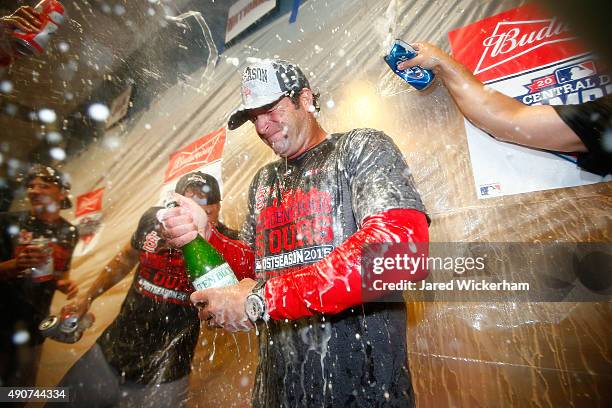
255 303
89 297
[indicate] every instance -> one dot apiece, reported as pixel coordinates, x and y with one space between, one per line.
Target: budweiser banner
535 59
202 155
88 220
243 14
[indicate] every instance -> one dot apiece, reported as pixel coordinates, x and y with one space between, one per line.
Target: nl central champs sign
535 59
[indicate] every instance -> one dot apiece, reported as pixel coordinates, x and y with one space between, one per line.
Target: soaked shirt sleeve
379 177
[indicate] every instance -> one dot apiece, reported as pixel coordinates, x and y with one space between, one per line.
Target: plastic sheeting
461 354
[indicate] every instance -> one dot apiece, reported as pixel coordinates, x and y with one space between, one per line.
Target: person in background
143 359
584 129
30 272
310 214
193 186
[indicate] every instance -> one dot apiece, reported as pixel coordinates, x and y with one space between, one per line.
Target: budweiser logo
198 156
203 151
511 39
89 203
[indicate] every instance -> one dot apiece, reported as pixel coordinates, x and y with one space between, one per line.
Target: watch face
254 307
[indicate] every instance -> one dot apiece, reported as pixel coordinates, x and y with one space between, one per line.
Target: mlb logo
490 190
575 72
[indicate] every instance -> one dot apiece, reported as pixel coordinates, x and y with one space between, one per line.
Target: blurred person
310 213
26 19
584 129
143 358
25 296
198 183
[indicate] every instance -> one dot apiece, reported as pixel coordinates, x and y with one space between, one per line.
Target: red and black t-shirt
152 340
299 211
23 300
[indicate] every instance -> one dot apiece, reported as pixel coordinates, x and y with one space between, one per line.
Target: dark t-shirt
25 302
592 123
152 340
299 211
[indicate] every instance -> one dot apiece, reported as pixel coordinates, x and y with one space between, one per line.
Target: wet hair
315 99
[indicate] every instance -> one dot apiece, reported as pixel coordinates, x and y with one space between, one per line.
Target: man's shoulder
67 229
358 142
360 135
265 170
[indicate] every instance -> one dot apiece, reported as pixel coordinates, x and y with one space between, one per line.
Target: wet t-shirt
25 302
299 211
152 340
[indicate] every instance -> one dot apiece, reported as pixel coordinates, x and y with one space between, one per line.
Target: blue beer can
416 76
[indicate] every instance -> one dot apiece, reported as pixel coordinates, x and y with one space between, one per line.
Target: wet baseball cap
265 82
50 175
206 183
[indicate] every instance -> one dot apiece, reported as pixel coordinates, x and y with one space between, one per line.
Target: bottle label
218 277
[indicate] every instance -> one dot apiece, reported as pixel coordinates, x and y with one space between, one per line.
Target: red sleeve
238 255
334 283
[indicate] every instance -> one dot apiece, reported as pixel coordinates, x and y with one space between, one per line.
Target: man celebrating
37 248
144 357
310 213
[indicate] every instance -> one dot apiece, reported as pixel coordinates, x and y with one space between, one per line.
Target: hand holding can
31 39
416 76
25 18
66 328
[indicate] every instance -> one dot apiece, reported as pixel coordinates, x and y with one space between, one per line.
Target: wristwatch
255 304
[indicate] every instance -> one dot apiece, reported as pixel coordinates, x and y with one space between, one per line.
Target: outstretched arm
335 283
499 115
113 272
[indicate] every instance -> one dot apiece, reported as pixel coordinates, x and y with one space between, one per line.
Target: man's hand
68 287
32 256
225 307
79 307
25 18
429 57
182 224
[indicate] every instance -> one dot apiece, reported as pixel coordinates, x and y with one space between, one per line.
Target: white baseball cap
265 82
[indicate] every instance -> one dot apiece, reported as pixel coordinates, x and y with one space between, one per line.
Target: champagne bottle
205 266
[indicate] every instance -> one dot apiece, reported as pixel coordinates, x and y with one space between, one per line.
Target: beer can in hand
418 77
51 14
44 272
66 329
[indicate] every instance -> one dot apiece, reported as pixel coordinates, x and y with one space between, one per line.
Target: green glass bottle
205 266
